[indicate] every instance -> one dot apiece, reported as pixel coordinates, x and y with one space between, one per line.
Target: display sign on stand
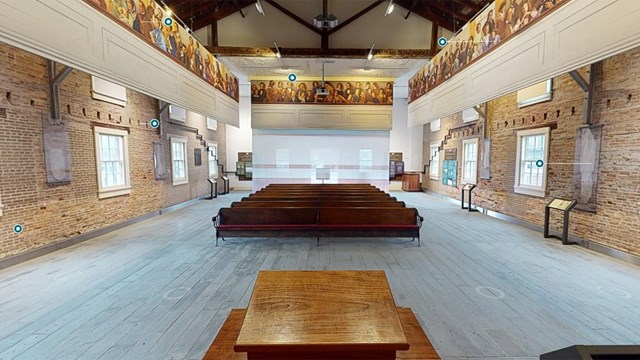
468 188
565 206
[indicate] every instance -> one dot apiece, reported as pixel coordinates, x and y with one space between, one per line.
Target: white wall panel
73 33
578 33
291 116
336 150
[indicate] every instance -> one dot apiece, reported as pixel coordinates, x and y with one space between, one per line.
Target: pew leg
216 240
318 241
419 241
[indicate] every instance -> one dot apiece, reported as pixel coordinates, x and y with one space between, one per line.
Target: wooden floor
481 288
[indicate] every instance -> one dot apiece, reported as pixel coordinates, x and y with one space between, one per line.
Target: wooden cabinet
411 181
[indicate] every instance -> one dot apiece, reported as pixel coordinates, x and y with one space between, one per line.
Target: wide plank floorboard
481 288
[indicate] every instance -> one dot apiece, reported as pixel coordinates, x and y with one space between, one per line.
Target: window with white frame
179 169
366 160
177 113
212 124
470 115
535 94
470 161
531 162
434 157
112 162
213 160
434 125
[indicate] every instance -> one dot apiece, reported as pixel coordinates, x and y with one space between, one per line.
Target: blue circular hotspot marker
442 41
154 123
17 228
168 21
292 77
539 163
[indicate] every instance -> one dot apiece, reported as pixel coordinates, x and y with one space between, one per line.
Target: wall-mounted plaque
451 154
159 160
395 156
197 155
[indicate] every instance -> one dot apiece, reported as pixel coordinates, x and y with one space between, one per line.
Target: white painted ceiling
312 67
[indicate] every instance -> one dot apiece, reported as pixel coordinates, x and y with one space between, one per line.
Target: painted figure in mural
191 53
156 34
173 39
501 21
487 41
262 92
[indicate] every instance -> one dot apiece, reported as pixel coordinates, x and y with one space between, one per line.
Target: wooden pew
317 222
295 203
316 198
420 346
369 222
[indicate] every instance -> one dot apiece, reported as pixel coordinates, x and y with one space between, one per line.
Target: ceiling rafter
224 9
451 11
427 14
293 16
356 16
471 5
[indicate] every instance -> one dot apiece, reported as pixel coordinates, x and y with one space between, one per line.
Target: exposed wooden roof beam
315 52
225 9
427 14
471 5
356 16
451 11
293 16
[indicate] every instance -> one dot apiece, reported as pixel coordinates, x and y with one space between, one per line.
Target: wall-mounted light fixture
279 56
369 57
389 8
259 7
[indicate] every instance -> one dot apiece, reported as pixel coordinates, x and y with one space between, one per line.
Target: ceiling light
168 13
259 7
389 8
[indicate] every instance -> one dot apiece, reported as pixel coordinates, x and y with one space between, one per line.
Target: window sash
434 156
112 162
470 161
533 145
179 166
213 160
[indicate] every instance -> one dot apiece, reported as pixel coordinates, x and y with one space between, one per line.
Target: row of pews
318 210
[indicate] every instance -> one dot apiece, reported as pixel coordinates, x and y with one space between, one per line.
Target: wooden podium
320 315
411 181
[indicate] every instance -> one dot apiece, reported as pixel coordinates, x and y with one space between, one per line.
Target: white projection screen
293 156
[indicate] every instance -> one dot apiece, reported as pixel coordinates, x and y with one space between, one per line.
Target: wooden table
411 181
321 315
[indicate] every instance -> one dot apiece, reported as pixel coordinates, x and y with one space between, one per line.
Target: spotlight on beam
389 8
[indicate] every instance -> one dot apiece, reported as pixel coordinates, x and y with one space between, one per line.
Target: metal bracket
55 78
587 88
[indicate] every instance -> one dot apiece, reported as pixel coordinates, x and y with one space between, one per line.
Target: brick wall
52 213
617 107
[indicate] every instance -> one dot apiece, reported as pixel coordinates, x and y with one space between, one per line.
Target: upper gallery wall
575 34
86 37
